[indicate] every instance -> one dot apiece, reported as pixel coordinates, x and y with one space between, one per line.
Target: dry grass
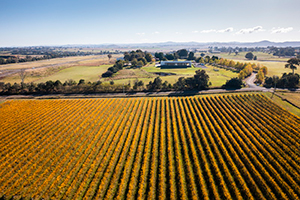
76 60
46 68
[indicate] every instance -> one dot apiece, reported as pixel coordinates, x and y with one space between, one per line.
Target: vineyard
217 147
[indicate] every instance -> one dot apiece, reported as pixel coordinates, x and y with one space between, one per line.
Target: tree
134 62
292 64
183 53
170 56
207 59
264 70
126 56
249 55
202 54
191 56
143 60
148 57
255 58
140 64
156 84
159 55
81 81
234 83
109 56
108 73
201 80
22 74
260 76
180 84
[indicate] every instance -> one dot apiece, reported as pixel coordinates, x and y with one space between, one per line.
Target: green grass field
88 73
284 104
217 78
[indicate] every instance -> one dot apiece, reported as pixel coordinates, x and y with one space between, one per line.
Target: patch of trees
207 59
287 80
114 69
286 51
136 59
233 83
199 81
158 85
236 50
180 54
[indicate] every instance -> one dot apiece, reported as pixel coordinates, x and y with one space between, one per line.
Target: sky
62 22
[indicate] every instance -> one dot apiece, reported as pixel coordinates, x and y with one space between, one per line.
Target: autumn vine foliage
213 147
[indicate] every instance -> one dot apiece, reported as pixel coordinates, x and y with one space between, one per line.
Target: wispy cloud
140 34
156 32
226 30
250 30
281 30
195 31
178 33
208 31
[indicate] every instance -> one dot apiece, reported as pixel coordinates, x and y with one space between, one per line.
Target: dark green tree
148 57
170 56
191 56
183 53
159 55
291 64
234 83
249 56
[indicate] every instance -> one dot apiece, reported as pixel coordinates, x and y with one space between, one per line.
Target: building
175 64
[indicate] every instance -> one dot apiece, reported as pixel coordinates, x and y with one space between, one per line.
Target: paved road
250 81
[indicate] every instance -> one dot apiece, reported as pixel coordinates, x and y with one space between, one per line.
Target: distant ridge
176 45
264 43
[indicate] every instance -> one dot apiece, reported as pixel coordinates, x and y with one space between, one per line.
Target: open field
45 68
88 73
146 74
260 56
55 61
212 147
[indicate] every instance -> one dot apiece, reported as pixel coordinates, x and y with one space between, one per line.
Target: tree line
200 81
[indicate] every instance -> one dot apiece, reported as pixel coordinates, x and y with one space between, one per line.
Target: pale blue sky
60 22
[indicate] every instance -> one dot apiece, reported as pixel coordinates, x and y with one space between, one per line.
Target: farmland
146 74
211 147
